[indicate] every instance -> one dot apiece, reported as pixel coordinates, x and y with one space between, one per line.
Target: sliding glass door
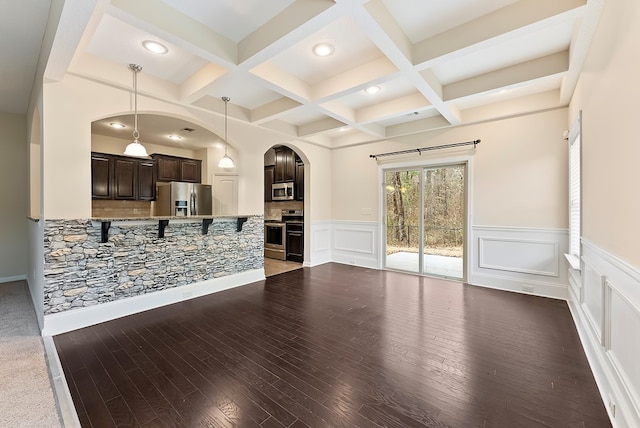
425 217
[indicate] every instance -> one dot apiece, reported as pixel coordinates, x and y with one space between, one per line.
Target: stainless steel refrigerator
183 199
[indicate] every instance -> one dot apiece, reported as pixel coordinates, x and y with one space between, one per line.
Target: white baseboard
83 317
59 385
13 278
519 285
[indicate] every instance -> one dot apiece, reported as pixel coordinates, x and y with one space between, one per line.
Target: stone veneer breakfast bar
82 271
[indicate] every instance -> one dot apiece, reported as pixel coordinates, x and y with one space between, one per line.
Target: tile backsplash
111 209
273 210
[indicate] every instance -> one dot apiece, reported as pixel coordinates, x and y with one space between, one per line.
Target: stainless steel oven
275 240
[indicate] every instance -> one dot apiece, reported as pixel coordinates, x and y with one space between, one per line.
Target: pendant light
226 161
135 148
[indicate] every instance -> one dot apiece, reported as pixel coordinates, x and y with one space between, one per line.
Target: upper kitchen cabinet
285 166
101 176
146 180
122 177
269 174
125 183
173 168
299 192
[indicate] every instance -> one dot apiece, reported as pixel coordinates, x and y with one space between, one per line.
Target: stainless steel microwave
282 191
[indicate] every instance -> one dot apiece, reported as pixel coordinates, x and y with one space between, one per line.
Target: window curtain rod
425 149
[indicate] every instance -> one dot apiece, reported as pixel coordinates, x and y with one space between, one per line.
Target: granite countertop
188 218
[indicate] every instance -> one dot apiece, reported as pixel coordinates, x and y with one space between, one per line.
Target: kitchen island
124 265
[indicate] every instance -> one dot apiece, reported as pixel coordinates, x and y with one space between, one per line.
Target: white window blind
575 188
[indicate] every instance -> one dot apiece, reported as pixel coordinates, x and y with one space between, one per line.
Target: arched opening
180 150
284 214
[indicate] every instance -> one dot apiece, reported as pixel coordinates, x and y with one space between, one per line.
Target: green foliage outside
443 210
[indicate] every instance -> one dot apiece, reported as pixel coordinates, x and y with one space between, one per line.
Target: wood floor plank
337 346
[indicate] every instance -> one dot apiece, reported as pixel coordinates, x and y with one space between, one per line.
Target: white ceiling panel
388 90
231 18
422 19
121 43
352 48
244 89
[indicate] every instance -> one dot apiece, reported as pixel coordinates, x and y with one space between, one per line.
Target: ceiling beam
376 21
273 109
526 71
197 85
490 28
300 20
395 107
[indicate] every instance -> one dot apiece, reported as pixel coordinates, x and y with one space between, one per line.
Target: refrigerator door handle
193 204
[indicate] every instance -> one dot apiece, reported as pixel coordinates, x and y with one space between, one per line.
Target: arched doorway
174 139
284 196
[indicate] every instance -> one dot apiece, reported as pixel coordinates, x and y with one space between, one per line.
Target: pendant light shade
226 161
135 148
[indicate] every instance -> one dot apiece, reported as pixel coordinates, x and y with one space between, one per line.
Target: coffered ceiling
436 63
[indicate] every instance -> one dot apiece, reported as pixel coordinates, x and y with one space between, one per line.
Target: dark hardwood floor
337 346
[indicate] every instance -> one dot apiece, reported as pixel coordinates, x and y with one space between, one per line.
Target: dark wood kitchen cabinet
295 242
285 165
269 175
101 175
125 181
174 168
146 180
122 177
299 192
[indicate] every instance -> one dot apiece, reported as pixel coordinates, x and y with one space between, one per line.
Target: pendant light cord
226 101
136 69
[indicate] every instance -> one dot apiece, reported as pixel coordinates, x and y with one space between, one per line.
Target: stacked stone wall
81 271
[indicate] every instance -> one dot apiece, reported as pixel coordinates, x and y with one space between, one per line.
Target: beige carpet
26 398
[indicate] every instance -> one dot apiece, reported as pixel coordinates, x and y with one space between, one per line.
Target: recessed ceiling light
155 47
323 49
372 90
175 137
117 125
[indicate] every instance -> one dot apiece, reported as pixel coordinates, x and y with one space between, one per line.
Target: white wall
605 294
116 146
607 94
72 104
519 172
14 193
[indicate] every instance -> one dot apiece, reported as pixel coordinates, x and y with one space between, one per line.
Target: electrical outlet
612 407
353 262
365 211
527 288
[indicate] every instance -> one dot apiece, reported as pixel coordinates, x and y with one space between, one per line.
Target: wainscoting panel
592 301
356 243
519 255
608 321
525 260
320 243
